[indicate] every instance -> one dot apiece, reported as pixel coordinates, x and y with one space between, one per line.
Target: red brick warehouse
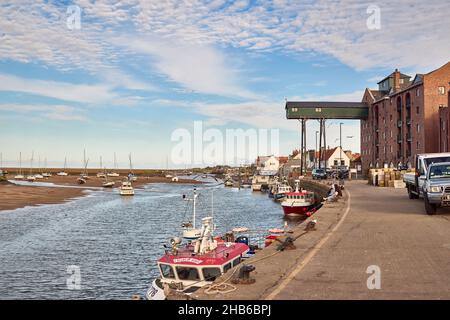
406 117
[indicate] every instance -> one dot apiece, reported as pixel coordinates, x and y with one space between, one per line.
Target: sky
132 72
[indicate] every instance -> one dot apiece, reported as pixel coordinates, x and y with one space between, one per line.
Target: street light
315 152
340 143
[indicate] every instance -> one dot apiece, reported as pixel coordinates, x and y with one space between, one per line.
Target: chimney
396 83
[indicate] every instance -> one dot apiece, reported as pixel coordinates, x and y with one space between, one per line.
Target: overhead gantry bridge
321 111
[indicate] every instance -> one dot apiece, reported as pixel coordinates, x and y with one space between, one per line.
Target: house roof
402 76
283 159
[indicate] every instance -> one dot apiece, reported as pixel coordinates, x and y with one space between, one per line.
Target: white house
267 164
334 157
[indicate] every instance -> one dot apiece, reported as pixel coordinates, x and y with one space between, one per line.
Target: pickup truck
423 181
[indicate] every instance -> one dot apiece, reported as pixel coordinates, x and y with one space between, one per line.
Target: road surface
386 230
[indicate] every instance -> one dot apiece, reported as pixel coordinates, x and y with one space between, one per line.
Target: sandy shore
14 196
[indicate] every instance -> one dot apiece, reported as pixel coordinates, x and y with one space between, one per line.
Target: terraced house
406 116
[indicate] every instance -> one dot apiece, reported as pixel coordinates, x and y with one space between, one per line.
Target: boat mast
115 161
195 197
31 162
20 163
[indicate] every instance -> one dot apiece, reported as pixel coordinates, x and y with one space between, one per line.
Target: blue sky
137 70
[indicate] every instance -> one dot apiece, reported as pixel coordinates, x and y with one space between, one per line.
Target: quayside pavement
375 233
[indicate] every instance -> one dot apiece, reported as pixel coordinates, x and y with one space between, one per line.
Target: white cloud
53 112
199 68
58 90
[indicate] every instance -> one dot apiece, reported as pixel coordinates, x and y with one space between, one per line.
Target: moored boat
299 202
186 268
126 189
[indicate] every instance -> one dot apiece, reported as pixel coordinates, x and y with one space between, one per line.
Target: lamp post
340 143
315 152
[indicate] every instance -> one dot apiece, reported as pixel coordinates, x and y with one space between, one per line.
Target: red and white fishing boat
187 267
299 202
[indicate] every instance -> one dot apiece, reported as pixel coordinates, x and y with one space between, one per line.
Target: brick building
406 116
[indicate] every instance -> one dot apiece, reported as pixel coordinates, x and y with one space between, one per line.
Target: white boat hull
155 292
126 192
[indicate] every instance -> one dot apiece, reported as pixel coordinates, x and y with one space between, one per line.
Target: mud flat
13 196
18 196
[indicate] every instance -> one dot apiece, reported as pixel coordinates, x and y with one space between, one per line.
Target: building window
417 110
417 92
418 128
418 145
441 90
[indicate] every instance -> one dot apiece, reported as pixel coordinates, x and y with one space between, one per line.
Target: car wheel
429 207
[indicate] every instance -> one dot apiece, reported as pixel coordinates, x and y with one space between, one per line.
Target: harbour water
115 241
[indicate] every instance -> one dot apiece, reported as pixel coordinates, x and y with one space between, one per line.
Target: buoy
240 229
275 230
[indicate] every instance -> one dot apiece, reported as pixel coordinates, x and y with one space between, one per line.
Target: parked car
425 183
319 174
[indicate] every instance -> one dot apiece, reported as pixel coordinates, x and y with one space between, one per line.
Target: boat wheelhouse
281 192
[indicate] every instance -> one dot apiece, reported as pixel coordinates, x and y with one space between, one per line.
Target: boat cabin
190 269
284 189
304 196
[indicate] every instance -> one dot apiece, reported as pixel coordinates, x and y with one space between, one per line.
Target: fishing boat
126 189
299 202
228 183
187 267
19 176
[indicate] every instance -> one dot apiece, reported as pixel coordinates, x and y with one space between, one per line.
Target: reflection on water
114 240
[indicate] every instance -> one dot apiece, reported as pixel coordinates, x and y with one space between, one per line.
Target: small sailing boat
114 174
19 176
30 177
46 174
38 175
63 173
106 183
84 175
131 175
101 174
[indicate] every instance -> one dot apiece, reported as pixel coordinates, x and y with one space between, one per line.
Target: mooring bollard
243 276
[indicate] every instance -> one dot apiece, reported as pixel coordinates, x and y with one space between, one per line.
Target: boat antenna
212 202
194 201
